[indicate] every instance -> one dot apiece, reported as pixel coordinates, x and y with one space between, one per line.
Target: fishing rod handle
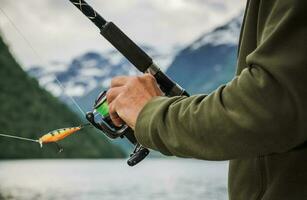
126 46
140 59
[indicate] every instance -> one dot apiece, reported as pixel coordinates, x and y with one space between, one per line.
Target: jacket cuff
142 123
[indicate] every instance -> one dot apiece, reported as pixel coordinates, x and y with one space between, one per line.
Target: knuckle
149 78
109 94
116 80
125 89
120 100
142 78
111 108
113 81
135 80
138 78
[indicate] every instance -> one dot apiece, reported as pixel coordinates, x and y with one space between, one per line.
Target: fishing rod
129 49
99 116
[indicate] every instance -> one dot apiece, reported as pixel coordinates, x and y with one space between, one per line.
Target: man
258 121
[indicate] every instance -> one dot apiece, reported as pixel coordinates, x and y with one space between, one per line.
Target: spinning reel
100 118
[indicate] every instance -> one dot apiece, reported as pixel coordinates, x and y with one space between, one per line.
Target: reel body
99 117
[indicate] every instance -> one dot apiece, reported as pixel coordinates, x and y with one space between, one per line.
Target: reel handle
137 156
139 152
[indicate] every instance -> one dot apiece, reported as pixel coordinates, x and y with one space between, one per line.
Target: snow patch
89 71
74 90
226 35
115 58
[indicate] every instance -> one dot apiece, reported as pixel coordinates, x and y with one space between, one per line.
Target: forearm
261 111
252 115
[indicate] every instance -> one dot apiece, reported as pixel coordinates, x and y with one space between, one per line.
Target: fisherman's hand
128 95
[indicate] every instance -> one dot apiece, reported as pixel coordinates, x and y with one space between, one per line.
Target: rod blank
89 12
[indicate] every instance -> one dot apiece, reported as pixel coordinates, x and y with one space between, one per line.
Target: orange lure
51 137
57 135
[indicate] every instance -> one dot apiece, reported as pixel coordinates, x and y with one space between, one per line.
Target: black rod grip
126 46
165 83
168 86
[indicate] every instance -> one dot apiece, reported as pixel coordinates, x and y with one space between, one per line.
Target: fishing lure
57 135
52 136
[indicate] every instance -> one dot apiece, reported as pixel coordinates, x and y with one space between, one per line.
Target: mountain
88 71
86 75
209 61
29 111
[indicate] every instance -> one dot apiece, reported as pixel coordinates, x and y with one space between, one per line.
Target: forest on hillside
29 111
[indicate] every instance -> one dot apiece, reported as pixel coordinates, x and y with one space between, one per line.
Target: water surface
162 179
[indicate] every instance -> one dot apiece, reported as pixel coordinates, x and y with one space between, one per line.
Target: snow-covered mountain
210 60
89 71
227 34
212 56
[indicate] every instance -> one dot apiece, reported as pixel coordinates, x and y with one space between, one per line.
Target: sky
57 31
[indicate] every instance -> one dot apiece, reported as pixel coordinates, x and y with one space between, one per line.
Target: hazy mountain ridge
212 56
88 71
210 60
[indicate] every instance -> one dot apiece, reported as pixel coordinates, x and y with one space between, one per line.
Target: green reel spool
103 109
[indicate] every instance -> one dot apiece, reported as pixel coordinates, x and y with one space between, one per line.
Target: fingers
112 93
111 96
119 81
149 78
117 121
128 95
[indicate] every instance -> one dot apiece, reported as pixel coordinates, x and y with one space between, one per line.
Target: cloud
58 31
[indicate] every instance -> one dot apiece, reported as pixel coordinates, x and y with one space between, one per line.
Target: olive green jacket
258 120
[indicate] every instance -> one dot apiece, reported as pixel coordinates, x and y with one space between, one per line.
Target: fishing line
39 57
18 138
71 98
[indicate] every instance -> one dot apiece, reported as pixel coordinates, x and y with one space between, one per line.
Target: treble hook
59 147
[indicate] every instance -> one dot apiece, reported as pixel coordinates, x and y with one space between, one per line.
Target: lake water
163 179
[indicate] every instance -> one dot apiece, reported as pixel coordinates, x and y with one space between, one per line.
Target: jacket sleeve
261 111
